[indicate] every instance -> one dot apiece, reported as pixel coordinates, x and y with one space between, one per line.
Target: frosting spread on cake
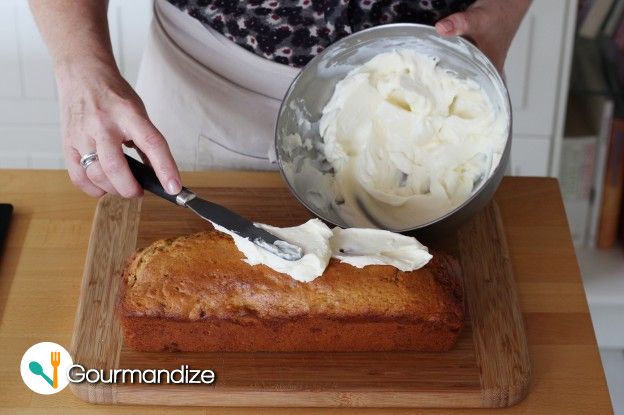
358 247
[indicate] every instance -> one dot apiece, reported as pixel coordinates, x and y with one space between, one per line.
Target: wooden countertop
42 264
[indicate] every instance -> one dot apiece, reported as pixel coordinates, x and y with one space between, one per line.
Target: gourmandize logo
47 368
44 368
55 360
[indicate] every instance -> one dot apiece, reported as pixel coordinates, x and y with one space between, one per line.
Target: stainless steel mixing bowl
302 162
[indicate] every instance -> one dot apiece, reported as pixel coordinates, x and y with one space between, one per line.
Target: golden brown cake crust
195 293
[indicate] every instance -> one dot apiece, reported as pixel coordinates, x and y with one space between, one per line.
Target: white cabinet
533 67
530 156
537 72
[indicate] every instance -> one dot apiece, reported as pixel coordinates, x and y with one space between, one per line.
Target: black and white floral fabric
292 32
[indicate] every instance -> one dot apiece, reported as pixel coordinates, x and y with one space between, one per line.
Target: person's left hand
490 24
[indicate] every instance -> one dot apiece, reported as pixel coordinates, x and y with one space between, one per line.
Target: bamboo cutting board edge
112 240
504 382
494 308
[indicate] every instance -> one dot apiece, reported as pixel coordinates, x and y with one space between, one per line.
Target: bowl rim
473 49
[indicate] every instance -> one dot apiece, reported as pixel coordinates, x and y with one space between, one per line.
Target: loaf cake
195 293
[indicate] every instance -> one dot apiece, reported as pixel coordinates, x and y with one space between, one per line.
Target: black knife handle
148 180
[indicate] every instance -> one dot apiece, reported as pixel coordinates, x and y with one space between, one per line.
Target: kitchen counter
42 264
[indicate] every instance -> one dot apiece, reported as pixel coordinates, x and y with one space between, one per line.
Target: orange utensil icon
55 359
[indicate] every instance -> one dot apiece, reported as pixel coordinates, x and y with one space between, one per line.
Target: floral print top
292 32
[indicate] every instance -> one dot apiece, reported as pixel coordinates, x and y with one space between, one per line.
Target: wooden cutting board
489 366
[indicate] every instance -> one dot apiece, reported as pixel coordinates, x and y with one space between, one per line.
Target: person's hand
99 113
489 24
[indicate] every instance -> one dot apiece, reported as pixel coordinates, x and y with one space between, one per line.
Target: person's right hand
99 112
490 24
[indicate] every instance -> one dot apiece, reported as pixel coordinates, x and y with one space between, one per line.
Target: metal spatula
215 213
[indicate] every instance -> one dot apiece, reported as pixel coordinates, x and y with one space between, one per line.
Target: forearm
521 7
518 9
490 24
76 34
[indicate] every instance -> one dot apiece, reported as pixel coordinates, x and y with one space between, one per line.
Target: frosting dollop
361 247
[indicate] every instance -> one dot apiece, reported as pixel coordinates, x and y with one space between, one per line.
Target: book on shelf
575 177
612 187
613 20
621 230
592 130
618 36
600 110
591 24
581 151
583 8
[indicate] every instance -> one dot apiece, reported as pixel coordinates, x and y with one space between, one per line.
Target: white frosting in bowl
408 140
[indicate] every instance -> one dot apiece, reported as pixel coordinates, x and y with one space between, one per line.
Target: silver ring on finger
87 159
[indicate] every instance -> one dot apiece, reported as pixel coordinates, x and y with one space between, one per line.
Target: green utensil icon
36 368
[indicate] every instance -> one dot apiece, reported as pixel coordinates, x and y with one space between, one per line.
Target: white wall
29 126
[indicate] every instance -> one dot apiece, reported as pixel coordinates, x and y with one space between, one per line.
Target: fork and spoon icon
55 361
